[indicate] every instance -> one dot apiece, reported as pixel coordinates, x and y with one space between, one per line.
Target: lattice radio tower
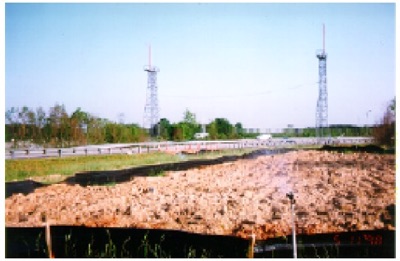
151 110
321 127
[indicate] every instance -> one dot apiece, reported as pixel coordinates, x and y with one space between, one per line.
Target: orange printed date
358 239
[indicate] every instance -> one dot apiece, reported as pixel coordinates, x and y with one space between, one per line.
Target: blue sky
249 63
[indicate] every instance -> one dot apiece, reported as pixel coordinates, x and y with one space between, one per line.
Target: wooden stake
48 240
252 242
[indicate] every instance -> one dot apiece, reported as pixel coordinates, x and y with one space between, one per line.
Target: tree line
56 128
59 129
219 128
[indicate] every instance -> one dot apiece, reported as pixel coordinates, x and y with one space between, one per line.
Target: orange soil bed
334 192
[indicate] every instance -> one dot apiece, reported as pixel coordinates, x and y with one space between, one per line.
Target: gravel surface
334 192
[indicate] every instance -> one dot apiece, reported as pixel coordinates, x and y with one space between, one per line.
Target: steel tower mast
151 110
321 126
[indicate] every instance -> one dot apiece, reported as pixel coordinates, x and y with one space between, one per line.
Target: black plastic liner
24 187
104 177
359 244
70 241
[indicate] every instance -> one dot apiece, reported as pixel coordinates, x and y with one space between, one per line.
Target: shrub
384 133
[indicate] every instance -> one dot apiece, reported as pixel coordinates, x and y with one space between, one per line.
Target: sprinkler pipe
292 202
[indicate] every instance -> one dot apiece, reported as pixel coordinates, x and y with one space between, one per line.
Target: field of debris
333 192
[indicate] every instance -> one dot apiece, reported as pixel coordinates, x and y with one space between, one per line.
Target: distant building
201 135
262 130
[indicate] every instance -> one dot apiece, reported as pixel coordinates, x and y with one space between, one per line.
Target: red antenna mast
323 38
150 56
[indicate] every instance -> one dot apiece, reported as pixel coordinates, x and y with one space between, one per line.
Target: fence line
189 147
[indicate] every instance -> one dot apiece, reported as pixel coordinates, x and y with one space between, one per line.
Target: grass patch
42 169
28 168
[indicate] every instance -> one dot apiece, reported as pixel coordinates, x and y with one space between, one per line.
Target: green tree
239 130
212 130
189 118
81 116
384 134
165 129
392 106
59 125
79 124
12 122
186 129
21 124
138 134
110 133
40 123
96 130
32 129
23 120
309 132
177 132
224 128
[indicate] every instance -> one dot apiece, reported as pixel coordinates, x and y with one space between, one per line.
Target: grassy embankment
52 170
